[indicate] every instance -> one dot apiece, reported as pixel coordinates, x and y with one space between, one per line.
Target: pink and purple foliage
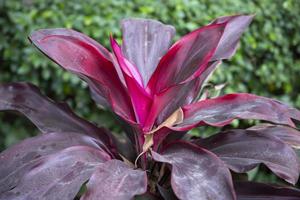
153 88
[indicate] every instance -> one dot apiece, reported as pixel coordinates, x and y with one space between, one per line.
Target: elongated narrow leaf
18 159
165 103
187 58
261 191
145 41
222 110
115 180
140 99
243 150
236 25
89 60
47 115
196 172
288 135
57 176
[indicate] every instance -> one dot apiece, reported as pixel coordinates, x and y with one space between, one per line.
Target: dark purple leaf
89 60
114 180
47 115
288 135
57 176
243 150
145 41
18 159
236 25
196 172
261 191
221 111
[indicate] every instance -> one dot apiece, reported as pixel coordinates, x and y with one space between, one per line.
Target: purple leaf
18 159
236 25
243 150
47 115
196 172
57 176
288 135
83 56
145 41
187 58
221 111
115 180
261 191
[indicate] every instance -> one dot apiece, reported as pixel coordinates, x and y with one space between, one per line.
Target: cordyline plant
154 91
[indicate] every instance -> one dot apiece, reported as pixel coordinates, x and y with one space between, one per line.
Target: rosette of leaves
153 88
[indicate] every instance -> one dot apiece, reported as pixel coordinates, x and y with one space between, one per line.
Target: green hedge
267 62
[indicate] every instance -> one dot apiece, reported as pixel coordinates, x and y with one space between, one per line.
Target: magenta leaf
18 159
187 58
236 25
196 172
261 191
141 100
243 150
145 41
115 180
57 176
83 56
288 135
222 110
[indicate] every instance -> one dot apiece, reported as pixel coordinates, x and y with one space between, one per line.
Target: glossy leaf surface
187 58
57 176
17 160
243 150
196 173
145 41
221 111
89 60
228 44
115 180
288 135
47 115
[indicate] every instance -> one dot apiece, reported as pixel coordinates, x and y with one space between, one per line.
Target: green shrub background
267 62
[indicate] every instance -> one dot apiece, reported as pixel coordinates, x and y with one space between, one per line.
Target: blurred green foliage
267 62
